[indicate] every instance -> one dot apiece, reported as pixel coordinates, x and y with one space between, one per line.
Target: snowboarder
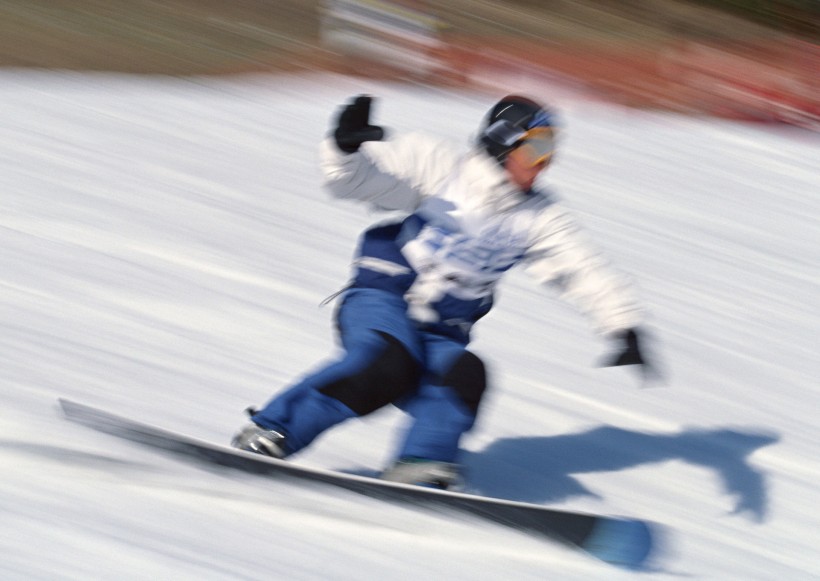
421 282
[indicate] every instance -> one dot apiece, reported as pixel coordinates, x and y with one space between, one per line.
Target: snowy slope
164 247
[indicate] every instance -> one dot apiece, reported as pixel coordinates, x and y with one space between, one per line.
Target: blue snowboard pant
387 359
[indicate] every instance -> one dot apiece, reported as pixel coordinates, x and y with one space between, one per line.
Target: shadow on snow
540 469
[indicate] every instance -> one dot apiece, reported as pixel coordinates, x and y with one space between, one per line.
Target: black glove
629 353
353 127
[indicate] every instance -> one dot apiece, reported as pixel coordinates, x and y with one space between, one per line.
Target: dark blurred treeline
796 17
791 16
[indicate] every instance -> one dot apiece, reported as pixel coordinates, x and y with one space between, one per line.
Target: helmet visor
536 146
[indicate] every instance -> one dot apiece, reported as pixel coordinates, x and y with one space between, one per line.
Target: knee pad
468 378
391 374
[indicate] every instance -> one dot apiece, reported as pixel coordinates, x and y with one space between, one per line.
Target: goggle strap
505 133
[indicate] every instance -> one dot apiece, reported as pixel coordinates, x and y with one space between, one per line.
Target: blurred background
743 59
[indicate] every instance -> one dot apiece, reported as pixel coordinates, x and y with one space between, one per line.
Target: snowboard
619 541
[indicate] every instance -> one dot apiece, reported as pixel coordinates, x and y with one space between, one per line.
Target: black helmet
504 127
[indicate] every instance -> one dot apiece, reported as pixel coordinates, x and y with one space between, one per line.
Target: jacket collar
491 182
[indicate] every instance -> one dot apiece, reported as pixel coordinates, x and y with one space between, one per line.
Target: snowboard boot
259 440
427 473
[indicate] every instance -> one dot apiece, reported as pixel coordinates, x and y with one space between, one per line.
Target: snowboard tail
619 541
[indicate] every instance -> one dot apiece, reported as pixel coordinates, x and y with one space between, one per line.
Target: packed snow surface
165 246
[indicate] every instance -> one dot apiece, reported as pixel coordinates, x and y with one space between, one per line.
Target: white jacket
468 225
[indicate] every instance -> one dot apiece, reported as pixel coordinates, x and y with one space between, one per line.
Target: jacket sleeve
388 175
563 257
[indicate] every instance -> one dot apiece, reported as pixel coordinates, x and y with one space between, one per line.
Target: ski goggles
530 146
536 148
